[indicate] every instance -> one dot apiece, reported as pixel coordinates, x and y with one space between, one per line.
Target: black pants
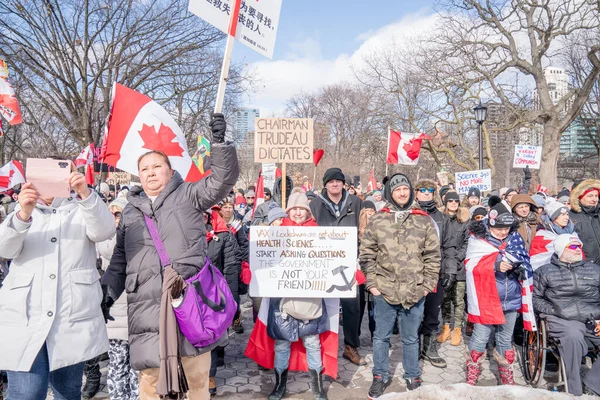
431 315
353 310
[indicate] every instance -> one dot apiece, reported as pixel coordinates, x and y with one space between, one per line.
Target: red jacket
288 222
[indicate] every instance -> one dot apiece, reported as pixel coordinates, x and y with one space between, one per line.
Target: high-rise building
558 86
580 138
243 122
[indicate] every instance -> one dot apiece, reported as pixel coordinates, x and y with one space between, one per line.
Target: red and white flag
541 189
1 130
11 175
86 157
542 248
404 148
372 185
136 125
9 105
261 348
259 193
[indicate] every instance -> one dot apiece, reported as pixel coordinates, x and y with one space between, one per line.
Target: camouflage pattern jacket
400 254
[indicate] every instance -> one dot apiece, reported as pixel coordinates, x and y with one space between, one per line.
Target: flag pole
283 185
233 21
388 151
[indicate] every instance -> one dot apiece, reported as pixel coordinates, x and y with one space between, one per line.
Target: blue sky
319 40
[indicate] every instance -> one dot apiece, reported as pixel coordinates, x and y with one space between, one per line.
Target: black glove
218 127
447 280
108 299
527 172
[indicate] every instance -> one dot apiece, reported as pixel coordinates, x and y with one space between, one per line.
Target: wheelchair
535 349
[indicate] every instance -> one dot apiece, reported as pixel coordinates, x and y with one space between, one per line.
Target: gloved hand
218 127
447 280
246 273
527 172
360 277
108 299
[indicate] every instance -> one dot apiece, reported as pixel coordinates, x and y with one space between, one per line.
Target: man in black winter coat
567 294
334 206
585 214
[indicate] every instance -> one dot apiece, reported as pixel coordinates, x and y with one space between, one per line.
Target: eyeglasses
574 246
426 190
117 215
248 198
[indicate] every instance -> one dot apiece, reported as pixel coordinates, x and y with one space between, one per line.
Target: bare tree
483 41
68 53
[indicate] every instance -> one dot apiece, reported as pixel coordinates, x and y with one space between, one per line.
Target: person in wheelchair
567 294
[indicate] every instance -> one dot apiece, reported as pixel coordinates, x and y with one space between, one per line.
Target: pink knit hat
297 200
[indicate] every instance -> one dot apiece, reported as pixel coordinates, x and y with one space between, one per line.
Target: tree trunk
550 153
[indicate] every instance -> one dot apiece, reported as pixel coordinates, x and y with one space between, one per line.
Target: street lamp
480 115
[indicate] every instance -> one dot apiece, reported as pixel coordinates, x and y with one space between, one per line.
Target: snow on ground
464 391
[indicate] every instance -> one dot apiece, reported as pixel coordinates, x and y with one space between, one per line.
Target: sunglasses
426 190
574 246
453 201
249 198
117 215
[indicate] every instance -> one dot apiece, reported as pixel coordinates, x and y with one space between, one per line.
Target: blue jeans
312 343
33 385
410 321
503 333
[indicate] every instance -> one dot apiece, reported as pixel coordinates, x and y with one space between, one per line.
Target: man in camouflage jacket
400 256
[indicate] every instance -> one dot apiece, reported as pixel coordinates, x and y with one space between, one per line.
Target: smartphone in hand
49 177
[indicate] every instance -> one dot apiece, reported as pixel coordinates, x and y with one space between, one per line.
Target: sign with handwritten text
293 261
481 179
527 155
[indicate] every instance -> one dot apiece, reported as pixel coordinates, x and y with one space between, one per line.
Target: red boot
505 365
474 361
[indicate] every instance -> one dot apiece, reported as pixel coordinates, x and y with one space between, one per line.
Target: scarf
172 382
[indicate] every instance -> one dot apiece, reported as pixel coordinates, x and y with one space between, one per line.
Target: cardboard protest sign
268 171
527 155
285 140
481 179
291 261
119 178
257 21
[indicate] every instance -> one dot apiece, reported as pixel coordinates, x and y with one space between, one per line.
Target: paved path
241 378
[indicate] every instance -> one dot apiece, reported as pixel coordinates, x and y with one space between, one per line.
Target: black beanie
394 182
473 191
444 190
500 217
451 196
562 193
333 173
369 204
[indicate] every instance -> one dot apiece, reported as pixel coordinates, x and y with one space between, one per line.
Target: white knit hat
297 200
562 241
554 209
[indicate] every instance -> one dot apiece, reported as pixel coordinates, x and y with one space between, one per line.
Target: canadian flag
542 248
372 185
86 157
9 106
404 148
541 189
136 125
261 348
11 175
259 193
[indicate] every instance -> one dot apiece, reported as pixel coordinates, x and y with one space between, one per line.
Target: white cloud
303 68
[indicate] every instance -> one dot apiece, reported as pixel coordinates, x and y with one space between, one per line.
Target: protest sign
481 179
268 171
119 178
442 178
284 140
257 21
527 155
292 261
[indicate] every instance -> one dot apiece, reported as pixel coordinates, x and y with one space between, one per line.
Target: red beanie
588 191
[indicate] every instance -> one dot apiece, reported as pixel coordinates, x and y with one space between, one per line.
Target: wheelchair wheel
533 354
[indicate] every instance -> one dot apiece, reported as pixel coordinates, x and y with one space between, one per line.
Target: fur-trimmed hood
480 229
436 194
579 190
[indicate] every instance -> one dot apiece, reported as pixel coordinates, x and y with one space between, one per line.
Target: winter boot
413 383
474 360
456 337
505 365
237 326
430 352
93 375
316 385
280 385
351 354
445 335
212 386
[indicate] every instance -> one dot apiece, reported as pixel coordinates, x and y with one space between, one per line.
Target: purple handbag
208 307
